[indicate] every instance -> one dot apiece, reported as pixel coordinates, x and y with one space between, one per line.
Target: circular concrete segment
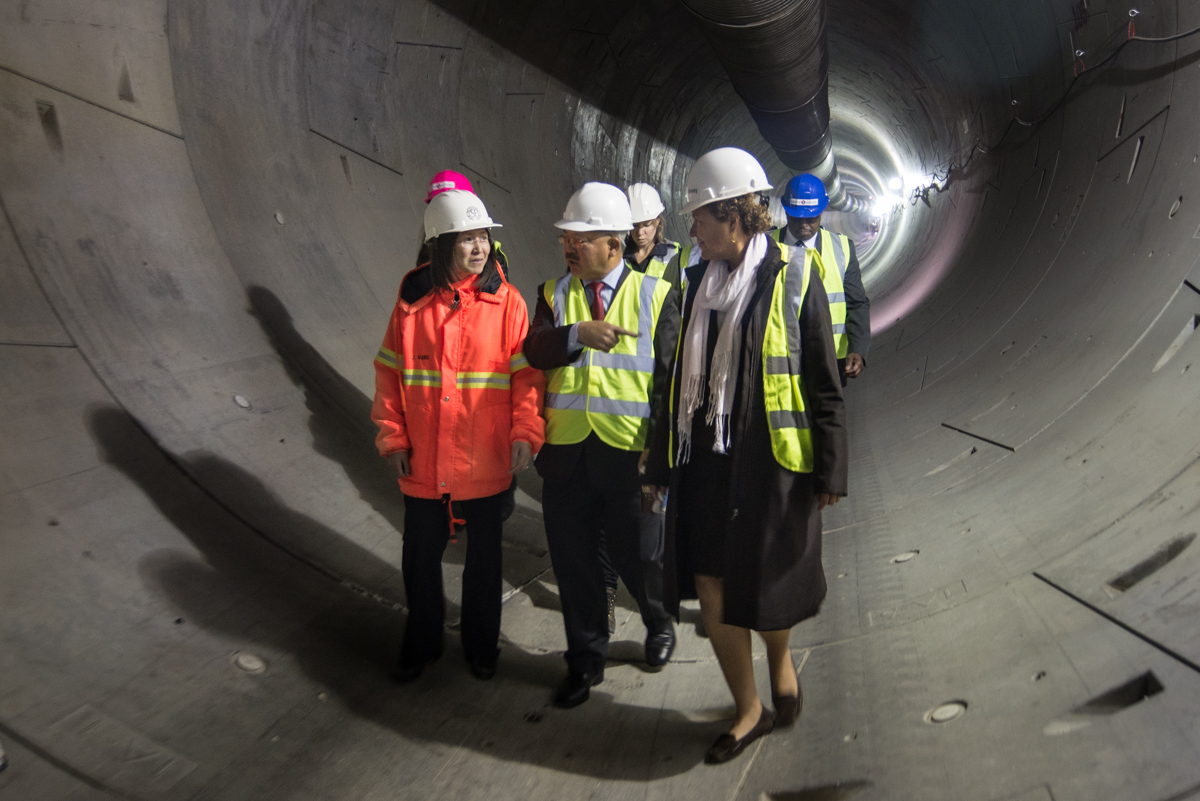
207 208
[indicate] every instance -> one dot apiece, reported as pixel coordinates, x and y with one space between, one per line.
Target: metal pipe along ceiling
777 59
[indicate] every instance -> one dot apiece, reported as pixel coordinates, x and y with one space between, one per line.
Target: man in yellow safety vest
804 200
605 335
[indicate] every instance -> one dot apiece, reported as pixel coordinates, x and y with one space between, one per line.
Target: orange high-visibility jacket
453 388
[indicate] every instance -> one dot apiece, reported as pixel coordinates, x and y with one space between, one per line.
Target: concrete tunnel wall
213 201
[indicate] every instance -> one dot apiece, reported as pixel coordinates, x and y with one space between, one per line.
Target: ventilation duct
775 55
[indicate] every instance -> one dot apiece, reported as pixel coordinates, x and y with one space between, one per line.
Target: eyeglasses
577 241
481 241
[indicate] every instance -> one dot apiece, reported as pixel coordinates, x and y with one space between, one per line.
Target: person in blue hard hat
804 200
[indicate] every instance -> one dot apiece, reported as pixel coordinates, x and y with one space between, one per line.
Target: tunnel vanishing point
207 209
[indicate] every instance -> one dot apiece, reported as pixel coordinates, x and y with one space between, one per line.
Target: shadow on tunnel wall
249 591
609 53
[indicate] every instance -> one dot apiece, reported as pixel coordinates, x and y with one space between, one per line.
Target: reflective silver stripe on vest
587 403
839 328
778 365
839 254
837 297
560 298
793 284
645 340
623 361
786 418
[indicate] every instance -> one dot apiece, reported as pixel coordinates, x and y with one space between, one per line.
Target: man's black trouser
576 509
426 532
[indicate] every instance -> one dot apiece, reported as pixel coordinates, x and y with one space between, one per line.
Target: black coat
773 577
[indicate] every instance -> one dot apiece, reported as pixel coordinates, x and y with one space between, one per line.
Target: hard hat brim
581 227
688 208
805 212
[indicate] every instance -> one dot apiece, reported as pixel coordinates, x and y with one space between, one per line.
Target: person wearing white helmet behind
458 411
757 440
647 249
605 335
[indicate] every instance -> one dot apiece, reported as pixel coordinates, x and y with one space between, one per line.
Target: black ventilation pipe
775 55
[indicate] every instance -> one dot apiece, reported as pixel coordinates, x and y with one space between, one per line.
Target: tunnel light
896 184
884 204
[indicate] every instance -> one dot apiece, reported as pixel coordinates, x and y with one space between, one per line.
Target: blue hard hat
805 196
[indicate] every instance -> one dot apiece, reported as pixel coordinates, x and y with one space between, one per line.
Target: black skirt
703 510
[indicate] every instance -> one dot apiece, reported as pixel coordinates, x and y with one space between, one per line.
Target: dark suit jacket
546 348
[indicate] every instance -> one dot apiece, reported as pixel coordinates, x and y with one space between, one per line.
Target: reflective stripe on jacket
453 388
608 393
783 382
835 250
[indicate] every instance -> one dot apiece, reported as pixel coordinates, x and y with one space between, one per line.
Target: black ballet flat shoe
576 688
727 746
787 708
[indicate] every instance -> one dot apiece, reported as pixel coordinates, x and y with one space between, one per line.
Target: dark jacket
773 577
546 349
659 251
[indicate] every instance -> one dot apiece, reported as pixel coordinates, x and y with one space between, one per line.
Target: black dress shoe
403 674
576 688
787 708
482 669
659 648
727 746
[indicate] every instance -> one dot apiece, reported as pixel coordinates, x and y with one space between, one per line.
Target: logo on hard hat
473 213
803 201
442 185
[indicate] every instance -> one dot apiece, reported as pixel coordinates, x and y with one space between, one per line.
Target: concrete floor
207 208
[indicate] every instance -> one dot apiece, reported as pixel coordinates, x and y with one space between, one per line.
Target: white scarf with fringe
721 290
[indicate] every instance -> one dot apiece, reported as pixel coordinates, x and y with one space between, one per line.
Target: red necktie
597 302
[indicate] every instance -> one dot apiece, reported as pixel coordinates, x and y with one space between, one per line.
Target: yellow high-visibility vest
835 250
657 267
608 393
783 383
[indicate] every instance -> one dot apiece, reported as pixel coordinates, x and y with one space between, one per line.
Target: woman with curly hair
757 440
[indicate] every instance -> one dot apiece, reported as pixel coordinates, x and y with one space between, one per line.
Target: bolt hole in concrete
946 712
249 663
241 401
1175 208
1041 674
1117 699
1148 566
1184 335
534 717
900 558
279 217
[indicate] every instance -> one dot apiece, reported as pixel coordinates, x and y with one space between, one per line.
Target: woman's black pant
426 532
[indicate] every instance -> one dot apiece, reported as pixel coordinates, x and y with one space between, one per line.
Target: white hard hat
721 174
597 207
644 202
455 211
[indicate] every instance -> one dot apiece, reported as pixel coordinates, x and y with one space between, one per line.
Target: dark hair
751 209
441 260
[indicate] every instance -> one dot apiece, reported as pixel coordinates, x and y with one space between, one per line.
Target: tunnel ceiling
207 208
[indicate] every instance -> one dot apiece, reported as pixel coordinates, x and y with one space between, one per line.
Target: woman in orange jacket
459 414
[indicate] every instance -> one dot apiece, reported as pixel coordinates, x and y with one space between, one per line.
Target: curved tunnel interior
208 206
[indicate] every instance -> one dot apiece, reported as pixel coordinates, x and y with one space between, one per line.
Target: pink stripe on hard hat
445 181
